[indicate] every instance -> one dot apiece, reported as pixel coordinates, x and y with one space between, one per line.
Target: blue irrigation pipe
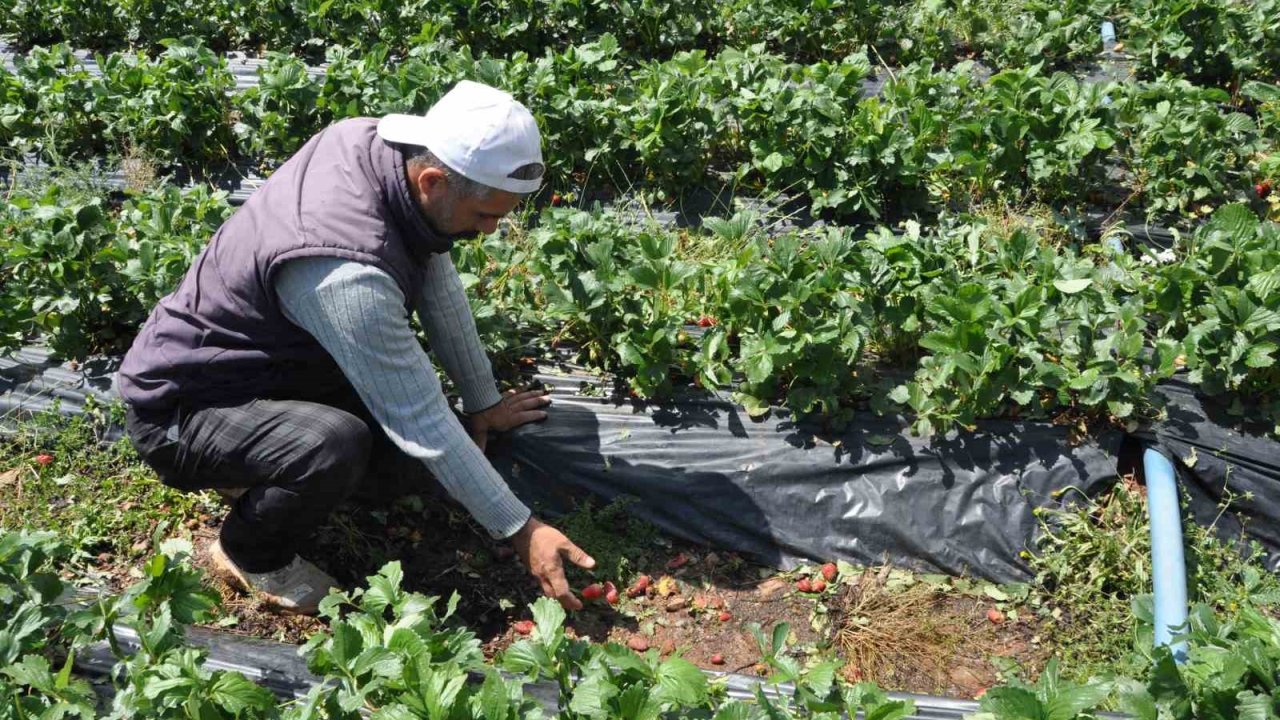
1168 564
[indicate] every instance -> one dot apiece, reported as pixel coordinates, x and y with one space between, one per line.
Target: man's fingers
561 590
577 555
526 417
528 399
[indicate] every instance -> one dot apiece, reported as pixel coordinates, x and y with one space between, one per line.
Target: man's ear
431 183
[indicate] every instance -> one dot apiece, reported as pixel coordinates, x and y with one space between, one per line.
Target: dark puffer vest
221 337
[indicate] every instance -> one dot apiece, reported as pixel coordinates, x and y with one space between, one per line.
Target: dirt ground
937 636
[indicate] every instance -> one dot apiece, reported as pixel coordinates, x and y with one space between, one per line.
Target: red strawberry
641 586
524 627
610 593
706 321
44 459
638 643
725 616
819 585
1263 189
556 199
677 562
592 592
717 659
804 586
829 572
995 616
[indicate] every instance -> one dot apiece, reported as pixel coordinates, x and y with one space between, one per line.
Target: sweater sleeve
451 329
356 312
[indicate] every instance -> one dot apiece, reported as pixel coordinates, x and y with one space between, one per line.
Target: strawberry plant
392 651
174 109
1183 153
281 112
1223 301
1230 670
53 278
50 104
805 31
669 123
605 681
159 234
1211 42
1025 132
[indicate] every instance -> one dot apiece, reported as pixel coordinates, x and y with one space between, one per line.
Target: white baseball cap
480 132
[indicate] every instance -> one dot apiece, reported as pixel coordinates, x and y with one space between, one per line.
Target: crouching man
284 364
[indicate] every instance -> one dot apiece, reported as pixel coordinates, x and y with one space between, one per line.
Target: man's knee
335 457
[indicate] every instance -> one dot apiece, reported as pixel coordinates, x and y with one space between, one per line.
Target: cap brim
407 129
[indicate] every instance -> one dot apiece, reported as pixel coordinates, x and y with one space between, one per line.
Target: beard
442 218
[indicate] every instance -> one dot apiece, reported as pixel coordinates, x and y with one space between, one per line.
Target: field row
931 139
392 654
986 315
1215 42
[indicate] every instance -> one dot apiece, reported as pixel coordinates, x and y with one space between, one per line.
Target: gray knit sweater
356 312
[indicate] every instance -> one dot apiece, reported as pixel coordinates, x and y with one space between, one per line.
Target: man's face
455 216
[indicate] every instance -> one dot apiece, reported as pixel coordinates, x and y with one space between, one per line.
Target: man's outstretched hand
516 409
541 547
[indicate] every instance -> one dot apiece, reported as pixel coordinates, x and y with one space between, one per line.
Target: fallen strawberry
1263 189
804 586
829 572
610 593
725 616
637 643
592 592
44 459
819 585
717 659
640 587
995 616
677 562
524 627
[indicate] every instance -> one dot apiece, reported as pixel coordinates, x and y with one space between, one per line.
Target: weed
87 474
1094 563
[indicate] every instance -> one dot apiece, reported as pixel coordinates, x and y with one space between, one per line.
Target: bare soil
913 637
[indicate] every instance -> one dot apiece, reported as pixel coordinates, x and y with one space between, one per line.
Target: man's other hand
540 548
515 409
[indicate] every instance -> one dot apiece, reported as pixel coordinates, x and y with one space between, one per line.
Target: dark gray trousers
299 458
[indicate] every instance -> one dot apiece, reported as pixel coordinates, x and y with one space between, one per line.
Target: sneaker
230 495
295 589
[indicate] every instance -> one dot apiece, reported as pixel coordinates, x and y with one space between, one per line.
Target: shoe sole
225 569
